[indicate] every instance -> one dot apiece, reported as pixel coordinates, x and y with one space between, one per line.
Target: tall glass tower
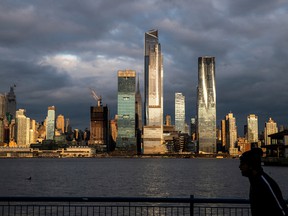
252 128
153 90
179 112
126 139
206 105
50 123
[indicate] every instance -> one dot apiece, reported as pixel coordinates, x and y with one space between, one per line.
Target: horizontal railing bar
124 199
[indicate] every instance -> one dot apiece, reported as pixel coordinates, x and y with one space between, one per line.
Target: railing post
191 205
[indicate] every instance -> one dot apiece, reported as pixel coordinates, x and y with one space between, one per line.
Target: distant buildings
180 112
50 123
270 128
126 138
153 142
230 134
22 128
252 128
206 105
60 124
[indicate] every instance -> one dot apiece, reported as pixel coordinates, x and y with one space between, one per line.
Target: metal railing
121 206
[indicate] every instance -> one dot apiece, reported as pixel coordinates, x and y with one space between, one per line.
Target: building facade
252 128
60 124
50 123
231 134
22 128
126 138
153 142
270 128
180 112
206 105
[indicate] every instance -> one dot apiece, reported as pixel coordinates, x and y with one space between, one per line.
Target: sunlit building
252 128
153 142
50 123
270 128
180 112
22 128
126 138
60 123
206 105
231 134
168 120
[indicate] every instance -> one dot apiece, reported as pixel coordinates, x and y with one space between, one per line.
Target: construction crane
96 97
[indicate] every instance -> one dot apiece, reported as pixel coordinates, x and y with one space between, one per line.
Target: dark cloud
55 51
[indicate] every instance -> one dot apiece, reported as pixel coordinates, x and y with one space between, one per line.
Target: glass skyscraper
153 90
126 139
180 112
50 123
206 105
252 128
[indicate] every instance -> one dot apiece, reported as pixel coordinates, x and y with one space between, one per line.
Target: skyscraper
153 89
206 105
139 118
22 128
126 138
180 112
270 128
50 123
11 102
231 134
252 128
60 123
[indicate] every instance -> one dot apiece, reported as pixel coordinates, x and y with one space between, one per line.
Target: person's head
250 162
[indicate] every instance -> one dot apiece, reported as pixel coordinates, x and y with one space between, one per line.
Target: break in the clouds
54 51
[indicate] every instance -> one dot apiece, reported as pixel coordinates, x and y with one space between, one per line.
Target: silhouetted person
265 195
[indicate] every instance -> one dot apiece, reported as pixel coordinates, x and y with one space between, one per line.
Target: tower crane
96 97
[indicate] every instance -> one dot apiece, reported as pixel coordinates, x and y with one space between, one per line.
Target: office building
180 112
22 128
11 103
139 118
270 128
126 138
206 105
193 129
60 124
153 142
99 127
50 123
252 128
231 134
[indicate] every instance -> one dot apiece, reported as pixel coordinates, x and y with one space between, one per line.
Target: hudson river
135 177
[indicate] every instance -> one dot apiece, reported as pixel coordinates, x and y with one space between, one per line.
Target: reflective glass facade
126 138
50 123
206 105
252 128
153 90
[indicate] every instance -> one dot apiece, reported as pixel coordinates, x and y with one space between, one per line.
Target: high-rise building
99 127
270 128
22 128
153 102
231 134
180 112
126 138
206 105
11 103
252 128
50 123
60 123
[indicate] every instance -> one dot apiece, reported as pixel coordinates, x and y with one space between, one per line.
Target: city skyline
62 53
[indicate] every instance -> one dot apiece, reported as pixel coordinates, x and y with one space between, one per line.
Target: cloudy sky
54 51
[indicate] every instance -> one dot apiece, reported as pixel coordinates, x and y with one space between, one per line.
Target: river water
129 177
